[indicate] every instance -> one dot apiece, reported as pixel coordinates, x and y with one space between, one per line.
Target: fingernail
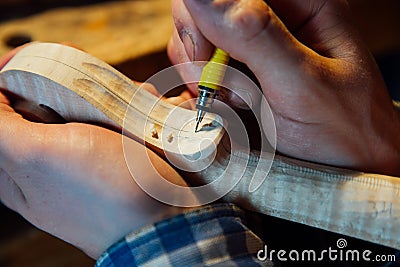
189 44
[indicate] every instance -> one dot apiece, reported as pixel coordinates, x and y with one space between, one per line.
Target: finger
15 139
4 102
149 88
196 47
187 95
250 32
241 93
14 146
8 116
184 100
179 101
297 14
316 23
188 72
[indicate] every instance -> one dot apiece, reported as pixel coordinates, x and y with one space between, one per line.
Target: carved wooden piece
45 73
82 88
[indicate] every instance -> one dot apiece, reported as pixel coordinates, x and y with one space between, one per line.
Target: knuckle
250 19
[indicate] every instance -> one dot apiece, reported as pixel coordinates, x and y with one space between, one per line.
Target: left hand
71 180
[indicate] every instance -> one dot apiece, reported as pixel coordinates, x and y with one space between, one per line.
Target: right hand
328 98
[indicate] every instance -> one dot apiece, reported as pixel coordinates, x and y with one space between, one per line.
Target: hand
326 93
71 180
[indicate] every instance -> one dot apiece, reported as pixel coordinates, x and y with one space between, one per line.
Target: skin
71 180
326 93
328 98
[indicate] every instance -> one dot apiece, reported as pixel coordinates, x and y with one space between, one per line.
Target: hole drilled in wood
153 131
170 138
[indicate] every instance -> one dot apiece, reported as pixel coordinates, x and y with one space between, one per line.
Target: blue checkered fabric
215 235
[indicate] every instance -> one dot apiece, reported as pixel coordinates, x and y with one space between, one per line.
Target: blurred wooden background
132 35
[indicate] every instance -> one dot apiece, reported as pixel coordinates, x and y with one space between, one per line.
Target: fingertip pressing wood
82 88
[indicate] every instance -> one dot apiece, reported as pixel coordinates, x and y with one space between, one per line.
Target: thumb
249 31
238 89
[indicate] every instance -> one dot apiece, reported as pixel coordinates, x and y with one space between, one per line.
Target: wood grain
82 88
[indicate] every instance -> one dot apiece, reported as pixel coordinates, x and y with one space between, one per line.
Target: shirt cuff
214 235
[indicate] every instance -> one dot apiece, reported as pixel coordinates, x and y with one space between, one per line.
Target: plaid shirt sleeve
214 235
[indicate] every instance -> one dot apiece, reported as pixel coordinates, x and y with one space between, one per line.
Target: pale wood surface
361 205
45 74
365 206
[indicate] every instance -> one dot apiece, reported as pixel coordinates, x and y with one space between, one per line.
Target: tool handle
214 71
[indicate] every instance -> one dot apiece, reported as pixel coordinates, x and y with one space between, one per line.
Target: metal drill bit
199 118
209 84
